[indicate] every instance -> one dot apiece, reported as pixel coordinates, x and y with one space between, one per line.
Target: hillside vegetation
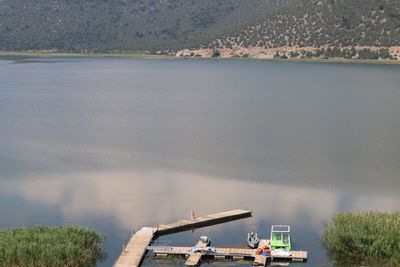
100 25
315 23
361 29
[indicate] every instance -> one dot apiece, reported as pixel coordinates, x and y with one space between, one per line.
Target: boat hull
252 244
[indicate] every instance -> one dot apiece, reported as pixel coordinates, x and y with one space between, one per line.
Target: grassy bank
44 246
364 238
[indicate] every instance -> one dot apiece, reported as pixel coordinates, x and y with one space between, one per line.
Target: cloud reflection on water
136 198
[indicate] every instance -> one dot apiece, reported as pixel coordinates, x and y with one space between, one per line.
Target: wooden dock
133 253
295 256
202 221
194 258
260 260
136 249
225 253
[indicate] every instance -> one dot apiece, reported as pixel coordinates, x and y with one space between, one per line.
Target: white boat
253 240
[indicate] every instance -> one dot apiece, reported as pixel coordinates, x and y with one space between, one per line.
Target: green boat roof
280 228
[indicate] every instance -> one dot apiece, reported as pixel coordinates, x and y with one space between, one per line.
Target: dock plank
294 255
299 255
135 250
202 221
193 259
260 260
186 251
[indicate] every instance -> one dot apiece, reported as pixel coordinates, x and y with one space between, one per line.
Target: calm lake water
116 144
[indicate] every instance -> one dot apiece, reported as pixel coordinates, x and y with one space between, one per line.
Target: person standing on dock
192 215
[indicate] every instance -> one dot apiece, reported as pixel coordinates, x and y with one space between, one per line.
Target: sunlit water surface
116 144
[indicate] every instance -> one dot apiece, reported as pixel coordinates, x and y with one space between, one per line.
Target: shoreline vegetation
44 246
369 238
343 56
325 53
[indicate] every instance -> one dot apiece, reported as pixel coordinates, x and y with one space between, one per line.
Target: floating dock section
202 221
134 252
238 253
136 248
225 253
195 258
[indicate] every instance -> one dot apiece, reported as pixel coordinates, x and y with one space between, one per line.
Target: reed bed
370 238
43 246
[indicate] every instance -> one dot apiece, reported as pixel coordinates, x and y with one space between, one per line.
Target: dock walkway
202 221
135 250
194 258
227 253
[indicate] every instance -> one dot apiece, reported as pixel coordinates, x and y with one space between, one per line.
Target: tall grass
370 238
43 246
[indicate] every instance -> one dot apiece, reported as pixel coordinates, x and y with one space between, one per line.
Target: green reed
368 238
43 246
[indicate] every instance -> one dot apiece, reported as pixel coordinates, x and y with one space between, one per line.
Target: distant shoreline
39 54
145 55
328 54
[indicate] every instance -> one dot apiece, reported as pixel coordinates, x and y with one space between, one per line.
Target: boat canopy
280 237
281 228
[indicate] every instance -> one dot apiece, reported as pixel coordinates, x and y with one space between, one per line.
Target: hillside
100 25
315 23
274 28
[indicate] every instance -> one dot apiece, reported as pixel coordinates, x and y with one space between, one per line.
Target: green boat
280 237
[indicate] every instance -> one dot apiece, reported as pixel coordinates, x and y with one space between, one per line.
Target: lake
117 144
